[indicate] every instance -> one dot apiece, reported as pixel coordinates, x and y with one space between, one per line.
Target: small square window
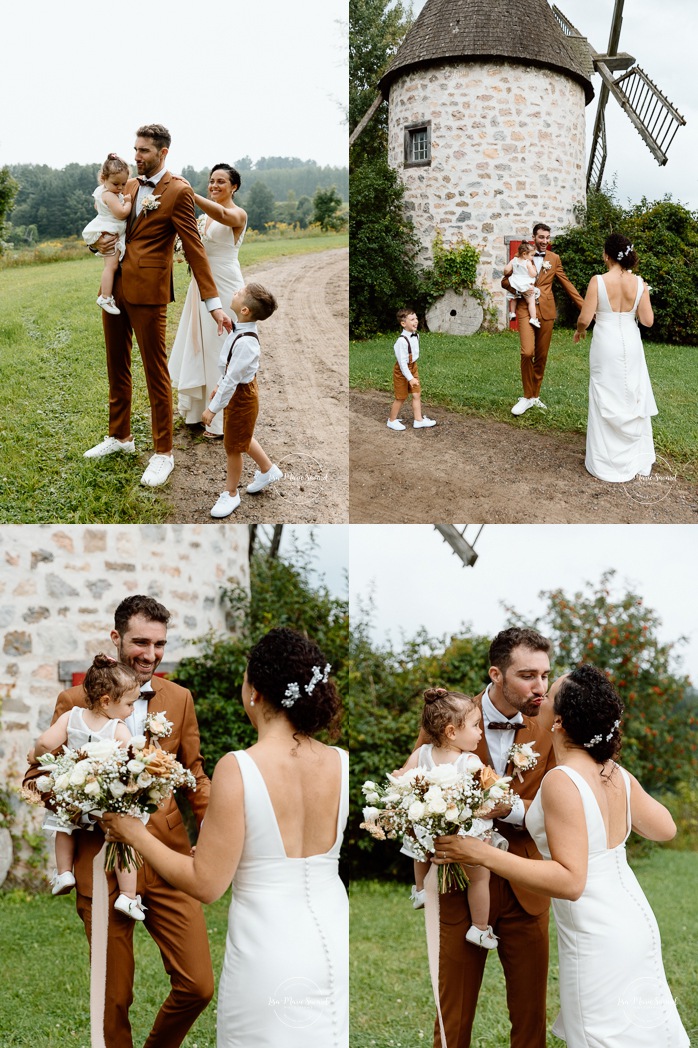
418 144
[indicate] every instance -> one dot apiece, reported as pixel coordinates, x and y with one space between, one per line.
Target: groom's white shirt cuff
213 303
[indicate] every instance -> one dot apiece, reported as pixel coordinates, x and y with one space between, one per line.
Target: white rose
433 798
443 775
101 749
79 773
496 793
138 742
371 814
519 760
93 789
416 810
117 789
144 779
370 786
135 766
44 783
452 814
372 798
63 781
472 763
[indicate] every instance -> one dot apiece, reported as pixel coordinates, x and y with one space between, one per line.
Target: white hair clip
598 738
293 691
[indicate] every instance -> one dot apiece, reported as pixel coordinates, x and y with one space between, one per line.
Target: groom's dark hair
160 135
540 225
139 604
516 636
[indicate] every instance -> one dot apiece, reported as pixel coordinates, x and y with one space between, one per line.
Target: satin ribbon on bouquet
431 924
98 948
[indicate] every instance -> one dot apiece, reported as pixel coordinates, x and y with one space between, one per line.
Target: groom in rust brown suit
174 920
535 342
520 666
163 208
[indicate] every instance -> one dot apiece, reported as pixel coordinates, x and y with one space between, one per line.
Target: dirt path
484 471
302 421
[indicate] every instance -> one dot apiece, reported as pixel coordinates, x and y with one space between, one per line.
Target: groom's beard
528 707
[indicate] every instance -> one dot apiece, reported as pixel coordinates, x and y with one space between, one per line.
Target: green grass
480 375
391 996
44 969
54 394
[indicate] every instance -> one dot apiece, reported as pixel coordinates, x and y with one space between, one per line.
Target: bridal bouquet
103 776
427 803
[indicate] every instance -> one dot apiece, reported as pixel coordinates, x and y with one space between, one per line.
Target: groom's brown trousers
523 953
535 343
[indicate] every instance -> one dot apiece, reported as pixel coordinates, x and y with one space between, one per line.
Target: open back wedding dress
621 402
613 991
285 978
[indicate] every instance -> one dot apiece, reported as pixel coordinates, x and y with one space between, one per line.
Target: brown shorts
240 416
400 384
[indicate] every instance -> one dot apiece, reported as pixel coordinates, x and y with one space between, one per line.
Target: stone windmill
487 129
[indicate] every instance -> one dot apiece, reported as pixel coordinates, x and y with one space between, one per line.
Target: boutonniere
150 203
158 726
523 757
546 265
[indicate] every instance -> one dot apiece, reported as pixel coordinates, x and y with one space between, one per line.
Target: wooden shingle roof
526 32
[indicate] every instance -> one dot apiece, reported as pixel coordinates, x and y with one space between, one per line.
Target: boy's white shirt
401 351
244 364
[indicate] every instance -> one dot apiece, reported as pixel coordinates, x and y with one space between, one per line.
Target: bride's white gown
197 346
285 978
621 402
613 991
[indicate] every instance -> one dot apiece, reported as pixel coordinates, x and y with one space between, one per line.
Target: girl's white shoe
132 908
62 883
487 939
417 896
108 304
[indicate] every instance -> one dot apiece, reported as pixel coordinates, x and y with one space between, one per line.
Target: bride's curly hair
283 659
441 708
620 250
232 173
591 710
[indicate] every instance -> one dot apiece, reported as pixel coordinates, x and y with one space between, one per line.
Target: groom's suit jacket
544 281
166 823
520 841
146 269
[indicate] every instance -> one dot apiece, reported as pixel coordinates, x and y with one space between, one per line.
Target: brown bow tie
146 182
505 726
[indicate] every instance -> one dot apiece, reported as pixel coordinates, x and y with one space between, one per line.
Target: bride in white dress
193 361
613 991
274 827
621 403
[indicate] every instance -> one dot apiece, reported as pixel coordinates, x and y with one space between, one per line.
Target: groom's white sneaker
539 404
109 446
158 470
523 404
487 939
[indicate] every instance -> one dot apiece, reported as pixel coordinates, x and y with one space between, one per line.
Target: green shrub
665 236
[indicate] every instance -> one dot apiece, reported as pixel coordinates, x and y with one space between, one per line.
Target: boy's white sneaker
417 895
263 480
157 470
423 423
226 504
394 423
487 939
108 304
109 446
62 883
132 908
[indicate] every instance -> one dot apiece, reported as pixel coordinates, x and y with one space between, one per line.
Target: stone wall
59 586
508 144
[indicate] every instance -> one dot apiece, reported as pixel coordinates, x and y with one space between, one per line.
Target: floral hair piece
598 738
293 690
621 254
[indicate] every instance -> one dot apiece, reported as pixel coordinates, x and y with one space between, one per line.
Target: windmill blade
458 543
598 155
648 108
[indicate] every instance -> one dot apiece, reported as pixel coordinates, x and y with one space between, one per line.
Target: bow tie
414 335
147 694
146 182
505 726
539 254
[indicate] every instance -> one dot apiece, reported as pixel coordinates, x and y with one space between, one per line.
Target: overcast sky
661 37
265 78
415 580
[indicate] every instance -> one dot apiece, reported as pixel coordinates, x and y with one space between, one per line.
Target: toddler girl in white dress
113 207
453 722
110 691
522 278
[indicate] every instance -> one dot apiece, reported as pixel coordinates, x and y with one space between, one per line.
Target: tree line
51 203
